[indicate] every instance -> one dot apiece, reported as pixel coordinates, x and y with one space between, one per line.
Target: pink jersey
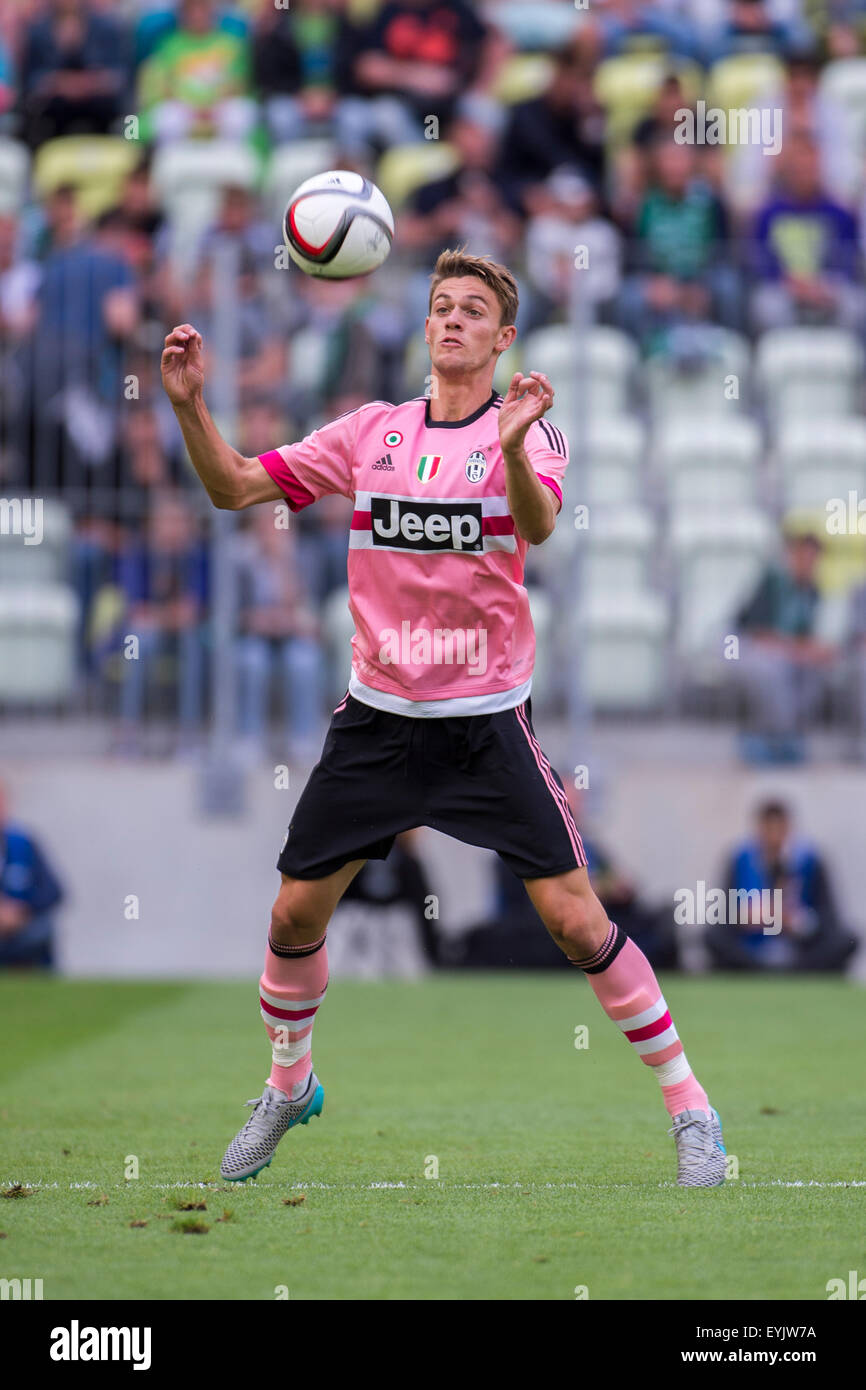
435 566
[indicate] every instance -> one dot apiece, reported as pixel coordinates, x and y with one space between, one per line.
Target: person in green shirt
678 252
197 81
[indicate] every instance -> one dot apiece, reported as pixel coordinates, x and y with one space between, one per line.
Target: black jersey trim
457 424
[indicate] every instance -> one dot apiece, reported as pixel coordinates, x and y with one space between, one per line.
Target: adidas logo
385 463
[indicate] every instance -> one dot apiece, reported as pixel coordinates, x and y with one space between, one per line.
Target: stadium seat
623 658
45 562
188 176
702 384
403 168
708 462
96 164
606 463
627 85
810 443
522 77
821 459
809 371
291 165
616 548
745 80
611 359
718 556
37 644
14 168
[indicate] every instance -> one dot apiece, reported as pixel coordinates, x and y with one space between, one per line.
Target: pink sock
290 991
627 989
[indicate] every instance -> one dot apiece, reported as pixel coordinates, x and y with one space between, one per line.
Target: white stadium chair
37 643
809 372
189 176
604 361
702 385
623 658
46 562
718 557
606 463
290 166
616 549
708 462
820 459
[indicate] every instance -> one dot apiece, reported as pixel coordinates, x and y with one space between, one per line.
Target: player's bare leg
625 985
291 989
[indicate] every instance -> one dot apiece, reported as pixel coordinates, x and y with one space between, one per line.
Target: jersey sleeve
547 450
319 465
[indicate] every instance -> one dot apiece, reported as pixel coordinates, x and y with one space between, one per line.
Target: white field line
138 1183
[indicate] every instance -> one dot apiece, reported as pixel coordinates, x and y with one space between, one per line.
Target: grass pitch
555 1171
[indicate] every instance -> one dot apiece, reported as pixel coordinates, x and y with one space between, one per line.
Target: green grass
480 1072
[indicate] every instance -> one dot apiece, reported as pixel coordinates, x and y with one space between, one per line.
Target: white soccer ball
338 225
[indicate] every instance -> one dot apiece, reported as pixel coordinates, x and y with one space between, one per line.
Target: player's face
463 330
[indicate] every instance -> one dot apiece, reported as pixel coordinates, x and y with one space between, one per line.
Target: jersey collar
457 424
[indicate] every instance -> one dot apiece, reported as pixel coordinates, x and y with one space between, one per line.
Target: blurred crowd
553 142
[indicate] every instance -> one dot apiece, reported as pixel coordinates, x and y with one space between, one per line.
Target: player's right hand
182 364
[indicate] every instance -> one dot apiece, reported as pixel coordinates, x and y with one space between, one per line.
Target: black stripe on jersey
549 436
553 437
561 437
355 409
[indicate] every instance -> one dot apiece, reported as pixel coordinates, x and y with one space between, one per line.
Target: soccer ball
338 225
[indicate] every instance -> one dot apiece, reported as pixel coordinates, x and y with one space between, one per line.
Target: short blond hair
451 265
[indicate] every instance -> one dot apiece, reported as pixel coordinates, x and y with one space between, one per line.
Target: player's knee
577 924
292 923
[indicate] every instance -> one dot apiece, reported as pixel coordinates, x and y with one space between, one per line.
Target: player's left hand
529 397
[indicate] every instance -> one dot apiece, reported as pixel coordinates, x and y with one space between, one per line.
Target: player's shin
290 991
626 987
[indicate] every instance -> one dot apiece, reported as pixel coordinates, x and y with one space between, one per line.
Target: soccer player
436 727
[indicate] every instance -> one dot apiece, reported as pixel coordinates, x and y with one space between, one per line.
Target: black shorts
481 778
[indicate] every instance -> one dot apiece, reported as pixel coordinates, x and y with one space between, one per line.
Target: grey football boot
253 1146
700 1150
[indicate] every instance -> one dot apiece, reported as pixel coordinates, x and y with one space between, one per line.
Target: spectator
567 224
29 893
74 72
197 82
761 26
562 128
466 207
784 667
679 273
415 60
632 164
278 633
164 577
805 250
811 935
301 61
625 21
87 310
